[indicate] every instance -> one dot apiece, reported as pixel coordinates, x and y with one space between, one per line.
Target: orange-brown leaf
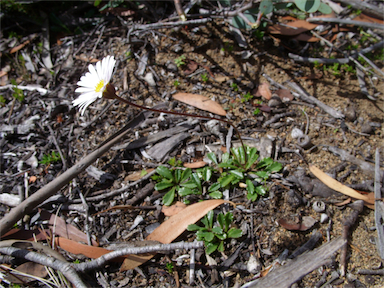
298 27
173 209
78 248
264 91
201 102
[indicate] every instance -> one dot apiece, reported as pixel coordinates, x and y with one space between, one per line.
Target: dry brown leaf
285 95
369 199
137 175
306 38
365 18
190 67
84 58
61 228
195 165
306 223
32 179
31 268
345 202
298 27
173 228
264 91
19 47
201 102
221 78
86 250
173 209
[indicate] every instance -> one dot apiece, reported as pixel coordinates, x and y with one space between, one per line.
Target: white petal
85 89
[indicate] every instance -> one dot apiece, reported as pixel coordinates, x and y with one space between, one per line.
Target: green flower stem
111 94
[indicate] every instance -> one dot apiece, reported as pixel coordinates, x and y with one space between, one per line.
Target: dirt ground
214 48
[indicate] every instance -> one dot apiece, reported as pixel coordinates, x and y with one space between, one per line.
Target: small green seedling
176 83
227 47
215 236
257 111
179 61
204 77
2 100
50 158
17 93
234 87
169 267
246 97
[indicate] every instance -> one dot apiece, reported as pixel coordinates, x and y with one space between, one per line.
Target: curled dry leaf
306 223
174 209
369 199
264 91
201 102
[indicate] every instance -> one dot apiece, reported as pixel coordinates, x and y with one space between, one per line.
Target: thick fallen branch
285 276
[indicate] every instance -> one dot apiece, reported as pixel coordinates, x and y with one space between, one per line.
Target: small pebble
366 128
275 101
171 67
350 113
253 265
177 48
323 218
296 133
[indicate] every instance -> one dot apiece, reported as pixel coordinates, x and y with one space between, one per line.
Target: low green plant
238 167
175 180
50 158
175 163
204 77
256 112
214 236
179 61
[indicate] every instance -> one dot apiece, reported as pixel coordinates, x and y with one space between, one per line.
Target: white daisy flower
94 83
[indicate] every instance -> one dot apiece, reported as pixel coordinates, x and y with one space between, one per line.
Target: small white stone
323 218
253 265
149 79
296 133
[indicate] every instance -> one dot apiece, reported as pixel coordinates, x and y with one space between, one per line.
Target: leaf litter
285 197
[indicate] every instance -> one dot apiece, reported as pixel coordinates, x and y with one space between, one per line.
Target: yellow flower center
99 86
